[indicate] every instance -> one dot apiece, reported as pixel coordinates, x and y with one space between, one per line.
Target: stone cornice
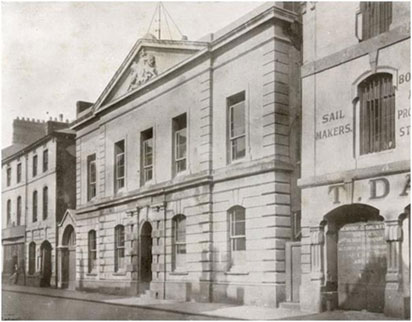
225 174
356 174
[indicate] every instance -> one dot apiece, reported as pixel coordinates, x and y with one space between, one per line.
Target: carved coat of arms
142 70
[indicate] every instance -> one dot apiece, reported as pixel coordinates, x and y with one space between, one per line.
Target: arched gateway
46 263
69 258
146 256
356 254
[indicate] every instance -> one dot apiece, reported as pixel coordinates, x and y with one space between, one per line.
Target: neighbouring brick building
38 175
186 167
356 157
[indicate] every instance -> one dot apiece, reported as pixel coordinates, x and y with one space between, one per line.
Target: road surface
19 306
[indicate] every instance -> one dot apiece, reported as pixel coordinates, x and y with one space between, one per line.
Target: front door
71 283
46 264
146 256
362 266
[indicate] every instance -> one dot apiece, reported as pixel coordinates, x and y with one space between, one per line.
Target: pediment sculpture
142 70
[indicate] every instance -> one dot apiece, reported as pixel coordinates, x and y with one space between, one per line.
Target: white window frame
237 255
18 172
119 260
183 158
118 156
147 167
179 246
234 138
92 264
8 176
90 182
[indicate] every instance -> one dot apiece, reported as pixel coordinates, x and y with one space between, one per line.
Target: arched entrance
145 256
69 258
356 257
46 264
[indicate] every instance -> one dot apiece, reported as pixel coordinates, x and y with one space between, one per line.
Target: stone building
38 175
186 165
356 157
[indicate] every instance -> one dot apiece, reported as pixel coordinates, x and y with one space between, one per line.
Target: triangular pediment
147 61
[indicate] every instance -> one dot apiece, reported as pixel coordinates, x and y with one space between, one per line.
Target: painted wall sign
379 188
333 131
404 113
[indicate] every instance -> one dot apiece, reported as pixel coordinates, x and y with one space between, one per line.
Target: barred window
377 114
92 250
119 248
376 17
32 258
179 241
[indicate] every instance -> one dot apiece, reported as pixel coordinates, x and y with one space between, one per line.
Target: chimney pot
33 120
55 118
61 117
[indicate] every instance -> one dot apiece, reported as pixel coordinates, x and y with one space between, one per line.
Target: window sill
235 272
121 273
177 273
91 274
374 154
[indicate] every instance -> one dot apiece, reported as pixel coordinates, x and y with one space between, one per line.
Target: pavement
217 311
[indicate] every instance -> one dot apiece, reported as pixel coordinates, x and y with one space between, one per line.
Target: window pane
93 172
238 119
239 244
181 248
238 148
148 174
239 228
181 144
181 165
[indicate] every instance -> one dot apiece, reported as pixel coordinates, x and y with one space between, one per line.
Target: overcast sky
54 54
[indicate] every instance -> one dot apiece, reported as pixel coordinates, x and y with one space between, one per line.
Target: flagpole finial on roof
159 23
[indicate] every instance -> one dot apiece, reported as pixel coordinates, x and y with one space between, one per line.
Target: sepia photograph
205 160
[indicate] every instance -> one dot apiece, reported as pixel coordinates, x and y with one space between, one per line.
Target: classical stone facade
185 165
38 172
356 157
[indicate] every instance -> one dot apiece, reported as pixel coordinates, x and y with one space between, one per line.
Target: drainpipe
25 215
164 247
138 248
56 255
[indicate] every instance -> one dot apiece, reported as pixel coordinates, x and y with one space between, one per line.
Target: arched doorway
356 254
69 258
145 256
46 264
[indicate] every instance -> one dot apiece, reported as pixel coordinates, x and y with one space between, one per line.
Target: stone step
290 305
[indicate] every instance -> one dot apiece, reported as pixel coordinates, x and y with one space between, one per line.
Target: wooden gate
362 266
